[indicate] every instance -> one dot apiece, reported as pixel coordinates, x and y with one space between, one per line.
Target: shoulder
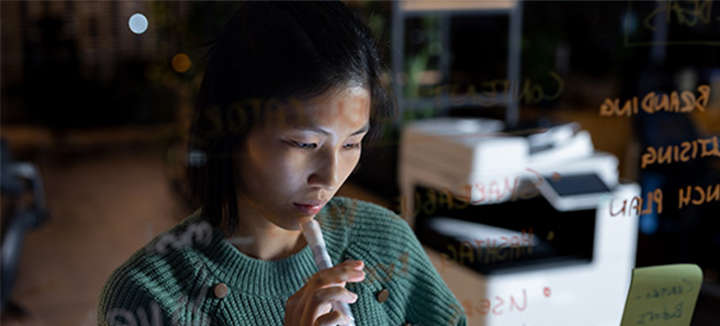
156 272
183 237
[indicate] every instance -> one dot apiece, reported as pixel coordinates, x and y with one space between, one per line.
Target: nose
325 171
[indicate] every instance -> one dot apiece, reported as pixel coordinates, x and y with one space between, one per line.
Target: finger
332 318
338 275
356 264
322 297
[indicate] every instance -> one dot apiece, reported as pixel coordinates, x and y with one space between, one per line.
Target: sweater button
220 290
383 295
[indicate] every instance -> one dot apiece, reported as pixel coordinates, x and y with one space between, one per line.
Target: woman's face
290 168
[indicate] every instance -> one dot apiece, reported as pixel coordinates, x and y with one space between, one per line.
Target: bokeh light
138 23
181 62
197 158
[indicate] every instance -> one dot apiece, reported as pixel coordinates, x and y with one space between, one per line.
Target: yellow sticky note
662 295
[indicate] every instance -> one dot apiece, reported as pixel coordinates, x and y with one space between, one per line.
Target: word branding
653 103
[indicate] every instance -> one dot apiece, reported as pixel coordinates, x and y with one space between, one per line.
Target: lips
311 207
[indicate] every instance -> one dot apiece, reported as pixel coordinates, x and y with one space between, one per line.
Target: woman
291 92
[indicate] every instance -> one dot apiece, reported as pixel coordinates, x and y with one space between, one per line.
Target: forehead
347 105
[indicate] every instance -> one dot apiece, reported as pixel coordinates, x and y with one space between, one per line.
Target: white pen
314 237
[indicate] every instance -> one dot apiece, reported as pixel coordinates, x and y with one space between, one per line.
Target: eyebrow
364 128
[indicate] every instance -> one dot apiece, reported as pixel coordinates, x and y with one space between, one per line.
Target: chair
17 179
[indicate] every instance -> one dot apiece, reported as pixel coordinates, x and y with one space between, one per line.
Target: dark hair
270 53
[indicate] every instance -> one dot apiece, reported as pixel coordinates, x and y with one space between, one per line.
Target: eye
302 145
352 146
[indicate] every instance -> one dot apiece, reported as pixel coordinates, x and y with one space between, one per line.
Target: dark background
78 86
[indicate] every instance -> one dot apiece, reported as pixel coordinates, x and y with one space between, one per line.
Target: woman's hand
310 305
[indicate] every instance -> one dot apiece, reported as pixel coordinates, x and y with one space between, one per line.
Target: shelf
445 10
430 5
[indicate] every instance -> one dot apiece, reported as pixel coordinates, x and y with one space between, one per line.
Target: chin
293 221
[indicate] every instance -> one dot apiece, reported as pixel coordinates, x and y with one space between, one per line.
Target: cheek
349 163
271 171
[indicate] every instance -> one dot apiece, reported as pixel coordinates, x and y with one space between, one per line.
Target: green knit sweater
181 276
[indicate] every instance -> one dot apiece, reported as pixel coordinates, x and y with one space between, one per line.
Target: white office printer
519 224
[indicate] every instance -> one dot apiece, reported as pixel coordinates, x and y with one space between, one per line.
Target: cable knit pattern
171 281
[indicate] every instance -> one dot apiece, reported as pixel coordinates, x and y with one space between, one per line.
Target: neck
272 247
266 241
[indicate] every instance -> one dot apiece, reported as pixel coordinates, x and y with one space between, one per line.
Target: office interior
584 132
